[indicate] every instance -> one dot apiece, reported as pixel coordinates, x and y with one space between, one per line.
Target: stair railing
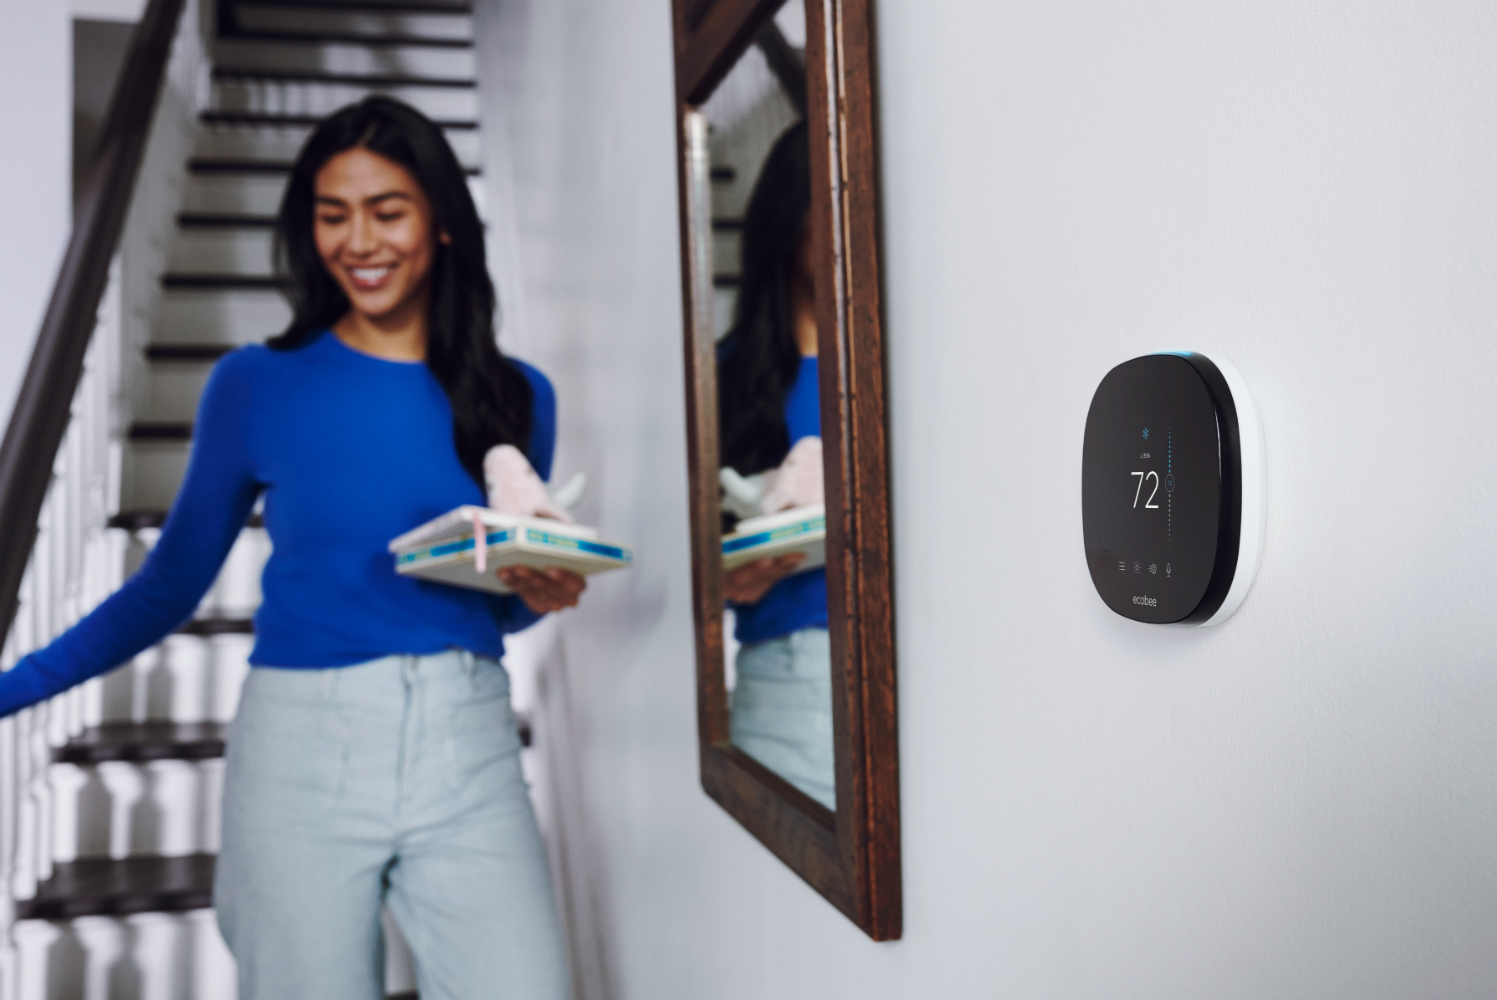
60 459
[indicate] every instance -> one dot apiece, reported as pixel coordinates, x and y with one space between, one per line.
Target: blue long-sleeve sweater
350 451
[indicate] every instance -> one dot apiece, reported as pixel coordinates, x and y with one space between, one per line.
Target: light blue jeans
394 781
782 710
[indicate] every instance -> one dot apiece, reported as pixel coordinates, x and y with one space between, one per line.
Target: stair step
317 98
206 627
209 220
283 142
136 520
219 316
222 250
224 192
409 6
232 52
160 430
141 741
374 6
346 38
294 19
221 117
214 281
221 165
187 352
117 886
353 79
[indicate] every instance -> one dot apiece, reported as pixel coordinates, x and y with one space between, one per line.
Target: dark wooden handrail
44 404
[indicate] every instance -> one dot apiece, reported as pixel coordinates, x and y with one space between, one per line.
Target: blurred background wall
1301 802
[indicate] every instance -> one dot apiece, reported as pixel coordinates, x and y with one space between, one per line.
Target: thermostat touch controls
1172 489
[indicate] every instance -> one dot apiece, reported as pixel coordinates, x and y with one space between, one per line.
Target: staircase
116 819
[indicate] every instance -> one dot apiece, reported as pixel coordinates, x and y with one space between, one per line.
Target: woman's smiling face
373 229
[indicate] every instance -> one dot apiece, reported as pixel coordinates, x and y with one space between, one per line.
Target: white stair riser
152 473
172 390
149 956
221 251
249 194
289 20
191 316
284 142
119 809
339 57
187 678
286 97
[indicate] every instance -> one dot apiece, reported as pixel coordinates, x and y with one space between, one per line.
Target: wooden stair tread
161 430
327 76
220 282
135 520
278 120
367 7
352 38
117 886
205 627
224 220
188 352
141 741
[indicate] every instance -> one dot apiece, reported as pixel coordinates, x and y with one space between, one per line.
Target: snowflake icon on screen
1146 434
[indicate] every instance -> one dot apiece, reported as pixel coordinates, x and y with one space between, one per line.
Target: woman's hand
750 582
544 590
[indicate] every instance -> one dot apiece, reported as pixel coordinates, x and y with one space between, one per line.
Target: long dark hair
759 359
491 398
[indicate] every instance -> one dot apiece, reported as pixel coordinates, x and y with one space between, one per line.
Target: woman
374 757
768 403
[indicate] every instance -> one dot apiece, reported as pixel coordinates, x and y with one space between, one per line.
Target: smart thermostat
1172 489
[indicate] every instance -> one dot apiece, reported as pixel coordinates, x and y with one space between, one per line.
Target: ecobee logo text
1148 602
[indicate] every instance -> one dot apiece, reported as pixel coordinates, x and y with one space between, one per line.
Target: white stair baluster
230 659
213 970
34 940
180 682
126 785
159 951
68 782
210 805
108 973
167 815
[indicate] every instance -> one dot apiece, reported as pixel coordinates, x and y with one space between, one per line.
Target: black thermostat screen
1151 488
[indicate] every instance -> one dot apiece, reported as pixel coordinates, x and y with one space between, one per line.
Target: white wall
36 92
1300 803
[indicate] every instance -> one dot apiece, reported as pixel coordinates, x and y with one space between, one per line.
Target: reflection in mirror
778 667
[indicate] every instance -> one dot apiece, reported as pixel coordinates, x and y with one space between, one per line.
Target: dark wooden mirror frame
852 856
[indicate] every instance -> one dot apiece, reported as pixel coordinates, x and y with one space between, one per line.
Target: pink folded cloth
798 481
514 488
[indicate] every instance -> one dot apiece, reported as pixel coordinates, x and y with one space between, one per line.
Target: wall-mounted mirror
789 476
